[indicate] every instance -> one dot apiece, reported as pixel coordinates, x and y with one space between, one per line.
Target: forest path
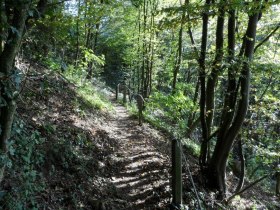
141 178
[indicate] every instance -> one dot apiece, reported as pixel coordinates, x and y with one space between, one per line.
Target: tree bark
7 57
178 59
202 78
144 49
216 66
2 21
78 34
217 168
242 166
278 183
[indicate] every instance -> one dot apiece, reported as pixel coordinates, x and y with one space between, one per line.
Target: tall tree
178 60
16 13
235 107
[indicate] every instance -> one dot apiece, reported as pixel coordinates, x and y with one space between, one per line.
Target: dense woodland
207 71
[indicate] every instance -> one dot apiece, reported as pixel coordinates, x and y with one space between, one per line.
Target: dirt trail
142 176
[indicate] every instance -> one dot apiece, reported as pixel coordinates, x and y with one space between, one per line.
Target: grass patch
192 147
93 99
176 130
92 96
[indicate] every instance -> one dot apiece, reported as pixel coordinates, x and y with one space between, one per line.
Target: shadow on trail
143 179
78 160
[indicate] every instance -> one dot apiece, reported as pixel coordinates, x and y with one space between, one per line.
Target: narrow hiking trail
95 159
142 178
99 158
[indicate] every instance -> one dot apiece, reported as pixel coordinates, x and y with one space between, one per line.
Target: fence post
124 93
176 174
117 92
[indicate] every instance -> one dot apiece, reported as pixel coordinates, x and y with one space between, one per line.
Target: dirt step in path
142 177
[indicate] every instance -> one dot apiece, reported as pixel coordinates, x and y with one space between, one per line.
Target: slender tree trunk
224 143
216 66
230 96
144 49
94 46
2 21
242 166
148 54
278 183
78 34
7 57
138 53
151 47
192 123
178 59
6 64
202 78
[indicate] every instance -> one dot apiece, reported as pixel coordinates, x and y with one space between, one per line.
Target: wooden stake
176 173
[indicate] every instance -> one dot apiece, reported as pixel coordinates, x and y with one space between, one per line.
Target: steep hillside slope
74 147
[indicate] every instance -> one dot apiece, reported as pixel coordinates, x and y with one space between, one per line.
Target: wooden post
278 180
117 92
124 93
176 173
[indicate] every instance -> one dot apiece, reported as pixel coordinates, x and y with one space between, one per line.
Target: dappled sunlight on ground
143 176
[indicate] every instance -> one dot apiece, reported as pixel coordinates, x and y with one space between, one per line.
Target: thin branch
213 134
247 187
267 37
266 88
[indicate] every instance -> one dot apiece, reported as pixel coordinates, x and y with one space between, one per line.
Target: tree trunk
217 168
90 64
138 53
7 57
278 183
230 96
144 49
78 34
178 59
241 175
202 75
2 21
216 66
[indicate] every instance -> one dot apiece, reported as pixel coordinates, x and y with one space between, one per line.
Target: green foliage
89 58
170 113
22 161
112 38
92 97
192 147
171 110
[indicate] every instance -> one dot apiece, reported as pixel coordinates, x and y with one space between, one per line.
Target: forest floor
142 175
93 159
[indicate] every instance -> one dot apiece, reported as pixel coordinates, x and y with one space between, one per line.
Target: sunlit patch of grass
132 108
89 95
92 98
192 146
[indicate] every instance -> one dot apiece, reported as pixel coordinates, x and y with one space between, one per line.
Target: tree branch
267 37
247 187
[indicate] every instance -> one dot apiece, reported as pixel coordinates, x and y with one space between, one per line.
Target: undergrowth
41 157
91 95
160 112
23 179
